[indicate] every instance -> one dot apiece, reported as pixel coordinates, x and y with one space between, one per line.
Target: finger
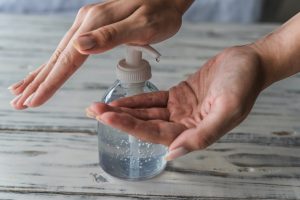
66 65
219 121
17 89
105 38
70 59
146 100
50 86
155 131
33 84
144 114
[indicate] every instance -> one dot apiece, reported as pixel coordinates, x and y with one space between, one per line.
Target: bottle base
116 174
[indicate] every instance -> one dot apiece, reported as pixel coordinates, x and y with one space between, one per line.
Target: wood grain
51 152
62 163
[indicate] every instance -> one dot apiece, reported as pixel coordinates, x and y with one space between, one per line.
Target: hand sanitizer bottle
120 154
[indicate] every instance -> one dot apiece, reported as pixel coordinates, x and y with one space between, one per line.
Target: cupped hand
98 28
196 112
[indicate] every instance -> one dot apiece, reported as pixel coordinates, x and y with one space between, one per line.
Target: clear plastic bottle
120 154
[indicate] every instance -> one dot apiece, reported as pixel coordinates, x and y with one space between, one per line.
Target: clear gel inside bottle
120 154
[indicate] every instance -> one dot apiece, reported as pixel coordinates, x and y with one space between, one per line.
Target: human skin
198 111
96 29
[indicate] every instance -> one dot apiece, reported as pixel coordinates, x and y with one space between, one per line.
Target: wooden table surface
51 152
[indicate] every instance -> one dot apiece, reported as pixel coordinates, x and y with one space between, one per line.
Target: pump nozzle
134 69
134 53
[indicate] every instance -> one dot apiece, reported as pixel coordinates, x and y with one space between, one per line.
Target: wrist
266 50
279 51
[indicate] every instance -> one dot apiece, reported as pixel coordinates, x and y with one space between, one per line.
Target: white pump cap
134 69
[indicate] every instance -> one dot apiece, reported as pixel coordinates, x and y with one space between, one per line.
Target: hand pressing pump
122 155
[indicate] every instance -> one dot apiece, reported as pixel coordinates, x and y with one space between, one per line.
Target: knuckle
145 20
106 35
55 56
67 59
95 10
150 33
80 16
85 9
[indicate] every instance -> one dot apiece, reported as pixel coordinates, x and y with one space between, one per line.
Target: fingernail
28 100
176 153
90 113
85 42
14 101
16 85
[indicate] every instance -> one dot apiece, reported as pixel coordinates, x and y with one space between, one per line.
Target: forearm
280 51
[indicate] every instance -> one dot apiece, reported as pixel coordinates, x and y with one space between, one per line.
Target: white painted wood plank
58 196
61 163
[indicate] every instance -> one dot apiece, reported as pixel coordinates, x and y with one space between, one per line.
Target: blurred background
231 11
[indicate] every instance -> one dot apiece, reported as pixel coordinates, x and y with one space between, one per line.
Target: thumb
104 38
220 120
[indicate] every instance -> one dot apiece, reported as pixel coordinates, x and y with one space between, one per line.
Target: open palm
196 112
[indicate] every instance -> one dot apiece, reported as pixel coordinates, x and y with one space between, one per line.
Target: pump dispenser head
135 69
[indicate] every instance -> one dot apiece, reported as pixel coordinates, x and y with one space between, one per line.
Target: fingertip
113 103
27 102
17 106
176 153
90 113
99 108
182 140
14 102
17 92
41 95
35 102
16 85
13 91
21 108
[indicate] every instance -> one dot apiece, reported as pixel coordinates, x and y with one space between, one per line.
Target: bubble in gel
116 159
123 156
